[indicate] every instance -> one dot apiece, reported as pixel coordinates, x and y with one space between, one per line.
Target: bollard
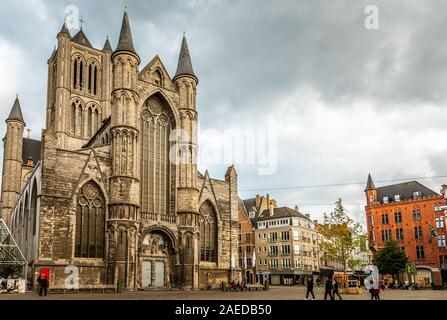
266 285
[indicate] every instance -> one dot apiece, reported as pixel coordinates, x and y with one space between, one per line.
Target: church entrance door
147 273
159 274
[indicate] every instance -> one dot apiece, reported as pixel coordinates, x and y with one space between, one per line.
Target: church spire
184 66
16 111
107 46
64 30
370 184
125 42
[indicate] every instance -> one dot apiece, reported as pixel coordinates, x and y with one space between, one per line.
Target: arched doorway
157 257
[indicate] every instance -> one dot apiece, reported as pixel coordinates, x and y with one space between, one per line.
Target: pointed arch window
75 74
157 182
81 78
208 232
158 78
90 219
34 207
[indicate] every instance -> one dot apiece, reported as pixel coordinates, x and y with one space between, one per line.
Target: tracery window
90 216
156 182
208 232
76 118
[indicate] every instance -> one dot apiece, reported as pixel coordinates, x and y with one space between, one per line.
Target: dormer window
385 200
397 198
417 195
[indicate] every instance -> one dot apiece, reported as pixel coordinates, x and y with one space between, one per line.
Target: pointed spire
370 184
125 42
16 111
184 66
107 46
53 55
64 30
81 38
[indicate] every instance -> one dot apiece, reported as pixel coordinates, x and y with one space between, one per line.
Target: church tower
124 202
370 192
79 89
188 191
12 161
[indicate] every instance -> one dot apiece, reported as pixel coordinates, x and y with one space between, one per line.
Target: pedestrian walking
328 289
43 285
310 288
372 290
335 291
377 293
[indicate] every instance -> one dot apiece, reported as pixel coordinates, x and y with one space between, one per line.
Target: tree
344 238
391 259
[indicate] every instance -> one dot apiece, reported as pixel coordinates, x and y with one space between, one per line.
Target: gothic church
113 187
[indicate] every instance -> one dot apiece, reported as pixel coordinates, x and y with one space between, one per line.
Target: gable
156 74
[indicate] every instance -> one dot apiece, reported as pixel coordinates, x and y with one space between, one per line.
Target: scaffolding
12 261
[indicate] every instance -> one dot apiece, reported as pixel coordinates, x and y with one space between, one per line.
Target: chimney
316 222
444 191
296 208
271 211
258 201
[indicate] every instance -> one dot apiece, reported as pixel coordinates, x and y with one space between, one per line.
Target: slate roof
107 46
16 111
64 30
125 42
184 66
370 184
404 190
31 148
282 212
81 38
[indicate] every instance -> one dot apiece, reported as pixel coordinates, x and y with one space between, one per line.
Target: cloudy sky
340 100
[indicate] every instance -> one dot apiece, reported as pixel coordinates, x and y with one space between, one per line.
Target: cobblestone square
275 293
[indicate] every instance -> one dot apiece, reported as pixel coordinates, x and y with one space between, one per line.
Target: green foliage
344 238
391 259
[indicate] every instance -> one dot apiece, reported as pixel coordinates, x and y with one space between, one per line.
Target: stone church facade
113 187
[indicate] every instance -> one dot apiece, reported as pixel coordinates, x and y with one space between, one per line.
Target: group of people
331 288
237 286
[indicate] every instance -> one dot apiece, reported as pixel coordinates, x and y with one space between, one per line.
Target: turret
370 192
124 204
187 191
12 161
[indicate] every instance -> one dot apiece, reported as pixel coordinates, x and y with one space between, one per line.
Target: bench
90 288
254 287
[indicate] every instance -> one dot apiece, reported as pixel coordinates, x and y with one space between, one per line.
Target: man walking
43 289
335 292
310 288
328 289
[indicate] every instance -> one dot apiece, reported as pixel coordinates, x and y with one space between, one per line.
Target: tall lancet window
157 183
90 217
208 232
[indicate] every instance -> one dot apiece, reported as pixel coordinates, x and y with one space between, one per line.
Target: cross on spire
81 21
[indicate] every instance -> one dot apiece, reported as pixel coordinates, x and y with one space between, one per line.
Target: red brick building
411 214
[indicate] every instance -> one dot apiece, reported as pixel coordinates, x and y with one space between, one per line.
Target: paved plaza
275 293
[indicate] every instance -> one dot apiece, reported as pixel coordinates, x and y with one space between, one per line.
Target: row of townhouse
280 244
